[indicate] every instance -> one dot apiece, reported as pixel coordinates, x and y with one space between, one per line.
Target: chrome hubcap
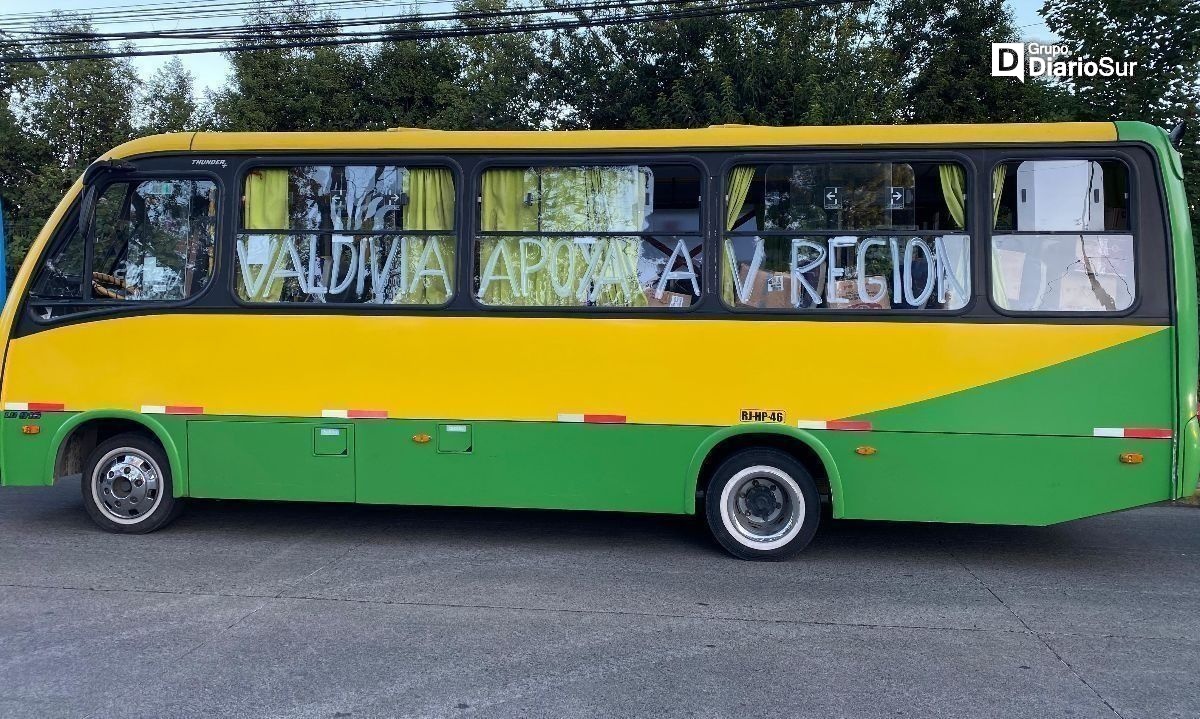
126 485
763 507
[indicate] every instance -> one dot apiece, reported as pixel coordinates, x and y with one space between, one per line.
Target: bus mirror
94 172
99 167
1176 135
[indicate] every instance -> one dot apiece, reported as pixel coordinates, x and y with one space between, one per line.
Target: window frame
1095 154
682 159
891 155
91 306
377 159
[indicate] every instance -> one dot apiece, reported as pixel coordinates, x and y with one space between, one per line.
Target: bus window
589 236
1062 240
58 288
153 240
846 236
359 234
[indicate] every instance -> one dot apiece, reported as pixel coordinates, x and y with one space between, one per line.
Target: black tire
772 508
126 485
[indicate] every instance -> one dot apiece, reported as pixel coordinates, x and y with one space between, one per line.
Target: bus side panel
27 440
1187 362
995 479
271 458
549 465
532 380
1022 450
1127 385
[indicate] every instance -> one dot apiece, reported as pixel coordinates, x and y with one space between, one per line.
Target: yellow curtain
561 201
954 191
616 204
739 186
267 199
504 209
999 294
266 208
998 176
539 271
430 208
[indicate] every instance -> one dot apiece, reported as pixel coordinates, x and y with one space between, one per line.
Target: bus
761 326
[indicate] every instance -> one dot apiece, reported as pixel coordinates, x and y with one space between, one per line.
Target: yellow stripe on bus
718 136
658 371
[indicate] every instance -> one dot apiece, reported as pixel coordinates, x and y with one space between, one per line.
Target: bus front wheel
127 485
762 504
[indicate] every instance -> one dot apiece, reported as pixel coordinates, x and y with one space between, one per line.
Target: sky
210 70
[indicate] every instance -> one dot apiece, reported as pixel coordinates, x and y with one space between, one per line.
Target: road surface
246 609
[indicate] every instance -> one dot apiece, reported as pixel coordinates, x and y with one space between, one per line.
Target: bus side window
850 236
590 235
153 240
1062 240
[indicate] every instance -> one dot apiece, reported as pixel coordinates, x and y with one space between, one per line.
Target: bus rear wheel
126 485
762 504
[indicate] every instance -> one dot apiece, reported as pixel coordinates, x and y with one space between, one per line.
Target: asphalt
246 609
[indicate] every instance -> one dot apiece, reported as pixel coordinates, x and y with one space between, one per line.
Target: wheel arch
803 445
72 442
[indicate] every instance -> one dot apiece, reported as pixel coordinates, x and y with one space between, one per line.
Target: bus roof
715 137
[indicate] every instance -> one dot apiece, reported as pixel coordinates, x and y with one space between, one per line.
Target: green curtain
266 208
739 186
430 208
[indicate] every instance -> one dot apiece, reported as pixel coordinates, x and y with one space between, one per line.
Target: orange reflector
30 429
421 438
1131 458
865 450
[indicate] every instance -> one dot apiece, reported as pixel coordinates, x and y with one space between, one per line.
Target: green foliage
806 66
60 116
305 88
1163 37
945 51
77 109
167 101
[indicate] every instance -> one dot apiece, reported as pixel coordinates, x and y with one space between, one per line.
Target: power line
21 25
324 26
251 41
185 10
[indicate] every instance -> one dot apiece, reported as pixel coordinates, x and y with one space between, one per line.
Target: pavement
243 609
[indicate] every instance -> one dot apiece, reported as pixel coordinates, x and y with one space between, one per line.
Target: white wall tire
126 485
762 504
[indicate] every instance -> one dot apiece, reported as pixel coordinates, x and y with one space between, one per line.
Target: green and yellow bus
955 323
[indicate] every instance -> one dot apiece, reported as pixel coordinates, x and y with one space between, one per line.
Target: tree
59 117
168 103
287 89
414 84
942 54
1163 38
821 65
80 108
500 79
